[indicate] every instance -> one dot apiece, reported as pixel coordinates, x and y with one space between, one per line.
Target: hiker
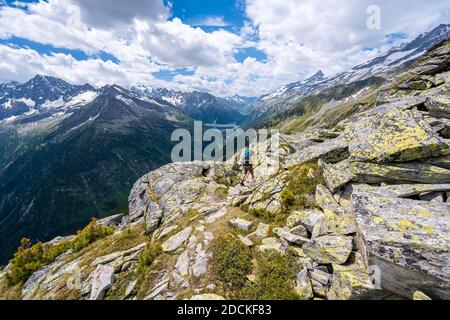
248 165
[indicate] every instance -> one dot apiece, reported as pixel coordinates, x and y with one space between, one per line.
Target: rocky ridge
378 227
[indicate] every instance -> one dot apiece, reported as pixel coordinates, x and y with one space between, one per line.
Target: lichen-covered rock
416 172
246 241
303 287
305 217
394 136
262 230
271 244
419 295
118 259
351 280
439 106
336 176
177 240
299 231
409 240
292 238
241 224
102 280
330 151
338 219
267 195
170 191
403 190
329 249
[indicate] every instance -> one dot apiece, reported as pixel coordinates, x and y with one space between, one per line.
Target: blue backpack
247 156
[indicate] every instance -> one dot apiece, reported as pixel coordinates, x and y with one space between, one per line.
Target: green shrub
92 232
275 278
29 258
264 214
148 256
231 261
301 187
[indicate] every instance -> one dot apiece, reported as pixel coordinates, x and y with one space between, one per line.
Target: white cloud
210 21
298 37
332 35
115 14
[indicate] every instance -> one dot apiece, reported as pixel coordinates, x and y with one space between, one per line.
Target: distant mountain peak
318 76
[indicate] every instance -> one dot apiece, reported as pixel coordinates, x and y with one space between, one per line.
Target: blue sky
248 47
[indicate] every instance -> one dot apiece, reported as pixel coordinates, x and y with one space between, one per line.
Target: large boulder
416 172
393 136
330 151
351 280
267 195
408 240
170 191
439 106
337 175
177 240
403 190
329 249
339 220
290 237
103 279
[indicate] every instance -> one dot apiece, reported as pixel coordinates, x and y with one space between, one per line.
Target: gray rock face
415 172
351 281
305 217
262 230
241 224
338 219
303 285
330 151
246 241
299 231
393 136
409 240
336 176
292 238
177 240
403 190
329 249
113 220
170 191
439 106
103 279
182 264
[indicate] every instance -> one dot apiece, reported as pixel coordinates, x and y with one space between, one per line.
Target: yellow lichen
428 229
424 213
378 219
405 224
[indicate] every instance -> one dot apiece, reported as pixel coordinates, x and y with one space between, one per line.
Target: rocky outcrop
393 136
407 239
102 280
170 191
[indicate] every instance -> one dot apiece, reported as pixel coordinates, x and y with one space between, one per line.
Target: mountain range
384 65
72 152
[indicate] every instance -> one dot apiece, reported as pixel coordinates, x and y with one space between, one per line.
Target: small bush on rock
264 214
231 261
301 187
92 232
148 256
275 278
29 258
